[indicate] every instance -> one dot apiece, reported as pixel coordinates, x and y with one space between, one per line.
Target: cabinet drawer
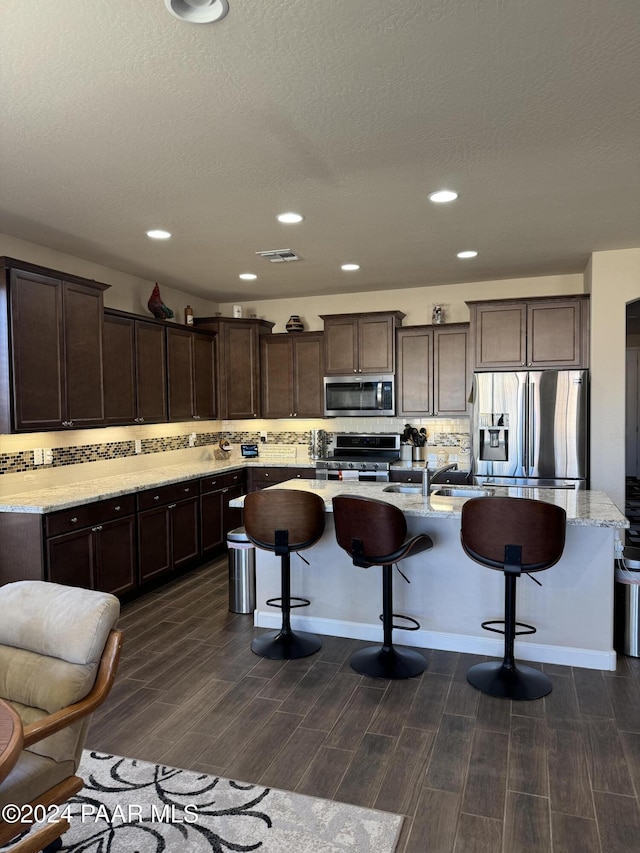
412 475
267 476
168 494
89 514
222 481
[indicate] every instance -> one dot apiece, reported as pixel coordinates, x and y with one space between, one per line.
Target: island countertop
584 508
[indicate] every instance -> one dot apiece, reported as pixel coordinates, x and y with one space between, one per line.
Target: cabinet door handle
73 520
95 529
236 477
116 508
186 489
225 490
156 497
171 506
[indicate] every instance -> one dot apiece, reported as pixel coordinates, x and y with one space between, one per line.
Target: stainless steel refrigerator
530 428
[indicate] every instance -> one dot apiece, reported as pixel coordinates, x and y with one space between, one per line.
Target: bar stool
512 535
373 533
282 521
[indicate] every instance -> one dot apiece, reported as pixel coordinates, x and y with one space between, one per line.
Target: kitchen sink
461 492
404 488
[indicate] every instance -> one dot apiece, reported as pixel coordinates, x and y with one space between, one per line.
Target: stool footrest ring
277 602
414 626
529 628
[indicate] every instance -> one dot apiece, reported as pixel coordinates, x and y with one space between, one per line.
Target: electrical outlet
263 437
38 456
192 439
618 548
137 445
47 456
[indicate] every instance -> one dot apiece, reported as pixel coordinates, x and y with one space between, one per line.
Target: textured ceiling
117 118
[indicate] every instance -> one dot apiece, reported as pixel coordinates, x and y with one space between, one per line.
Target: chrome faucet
429 477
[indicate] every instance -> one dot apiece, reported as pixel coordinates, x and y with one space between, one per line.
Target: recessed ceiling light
247 276
470 253
158 234
350 267
290 218
198 11
442 196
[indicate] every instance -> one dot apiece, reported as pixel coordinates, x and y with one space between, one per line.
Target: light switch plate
137 445
38 456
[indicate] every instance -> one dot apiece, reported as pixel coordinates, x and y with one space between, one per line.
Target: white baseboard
566 656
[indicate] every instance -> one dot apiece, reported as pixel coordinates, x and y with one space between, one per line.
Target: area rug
131 806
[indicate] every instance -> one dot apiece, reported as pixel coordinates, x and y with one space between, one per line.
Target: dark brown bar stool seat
373 533
512 535
284 520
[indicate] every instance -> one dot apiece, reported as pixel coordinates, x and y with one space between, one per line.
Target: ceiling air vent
279 256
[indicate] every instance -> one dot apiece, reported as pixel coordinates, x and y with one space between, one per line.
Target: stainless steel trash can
242 572
627 604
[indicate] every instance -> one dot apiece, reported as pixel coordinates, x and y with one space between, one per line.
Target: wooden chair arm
104 680
41 838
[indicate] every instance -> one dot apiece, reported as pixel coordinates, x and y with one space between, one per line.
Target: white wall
127 292
416 302
613 279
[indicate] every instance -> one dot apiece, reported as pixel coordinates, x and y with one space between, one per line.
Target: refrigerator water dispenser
494 444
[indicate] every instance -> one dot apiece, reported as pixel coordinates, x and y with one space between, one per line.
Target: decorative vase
294 324
437 317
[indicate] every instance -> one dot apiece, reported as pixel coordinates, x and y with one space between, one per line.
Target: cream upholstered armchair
58 657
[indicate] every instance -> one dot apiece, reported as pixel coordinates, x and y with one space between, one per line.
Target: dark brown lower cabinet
102 556
216 516
262 478
168 529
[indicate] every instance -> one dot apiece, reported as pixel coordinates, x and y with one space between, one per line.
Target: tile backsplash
83 447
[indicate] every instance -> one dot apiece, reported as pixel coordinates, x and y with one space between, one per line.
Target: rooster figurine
157 306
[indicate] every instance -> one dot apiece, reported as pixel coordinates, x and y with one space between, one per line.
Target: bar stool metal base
394 663
517 682
285 645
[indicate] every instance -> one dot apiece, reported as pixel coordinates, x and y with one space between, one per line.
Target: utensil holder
405 452
419 454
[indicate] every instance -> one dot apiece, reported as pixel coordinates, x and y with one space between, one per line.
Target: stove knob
350 464
363 466
376 466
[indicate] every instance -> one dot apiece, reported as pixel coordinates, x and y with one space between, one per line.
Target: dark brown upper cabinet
549 332
292 372
135 370
190 374
360 343
238 363
433 370
51 328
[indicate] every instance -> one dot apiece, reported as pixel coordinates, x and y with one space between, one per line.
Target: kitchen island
449 594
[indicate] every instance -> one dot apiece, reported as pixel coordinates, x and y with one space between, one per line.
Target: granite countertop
583 508
46 499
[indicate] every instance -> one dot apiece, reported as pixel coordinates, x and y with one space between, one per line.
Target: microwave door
343 397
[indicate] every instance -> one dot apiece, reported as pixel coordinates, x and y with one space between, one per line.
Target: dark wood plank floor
470 773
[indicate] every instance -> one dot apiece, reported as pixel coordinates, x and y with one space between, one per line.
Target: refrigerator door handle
522 427
531 426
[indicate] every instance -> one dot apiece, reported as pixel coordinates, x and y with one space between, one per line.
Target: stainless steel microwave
348 396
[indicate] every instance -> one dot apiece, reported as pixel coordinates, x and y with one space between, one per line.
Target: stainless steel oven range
358 456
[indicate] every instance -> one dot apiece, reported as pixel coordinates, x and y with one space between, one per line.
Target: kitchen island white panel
449 594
